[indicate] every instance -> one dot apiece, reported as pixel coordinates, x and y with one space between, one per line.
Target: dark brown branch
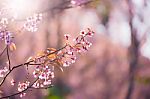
133 52
9 63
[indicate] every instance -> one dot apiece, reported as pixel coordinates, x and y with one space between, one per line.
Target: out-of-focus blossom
3 23
32 22
3 72
66 36
78 2
6 36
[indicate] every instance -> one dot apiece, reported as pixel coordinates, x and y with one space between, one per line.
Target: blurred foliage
102 8
142 80
94 3
58 91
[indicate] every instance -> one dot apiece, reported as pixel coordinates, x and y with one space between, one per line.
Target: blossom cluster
81 44
32 22
6 36
23 86
45 74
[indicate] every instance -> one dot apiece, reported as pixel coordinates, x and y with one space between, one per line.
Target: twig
9 63
11 71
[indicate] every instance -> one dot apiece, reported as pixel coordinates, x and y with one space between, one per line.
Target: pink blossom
22 95
67 36
82 33
78 2
12 82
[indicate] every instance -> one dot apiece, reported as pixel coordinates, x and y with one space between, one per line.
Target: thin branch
9 63
11 71
3 51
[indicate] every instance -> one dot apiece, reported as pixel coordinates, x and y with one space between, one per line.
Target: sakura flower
67 36
66 64
90 32
82 33
22 95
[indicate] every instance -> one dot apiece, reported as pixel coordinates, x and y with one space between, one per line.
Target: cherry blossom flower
67 36
82 33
